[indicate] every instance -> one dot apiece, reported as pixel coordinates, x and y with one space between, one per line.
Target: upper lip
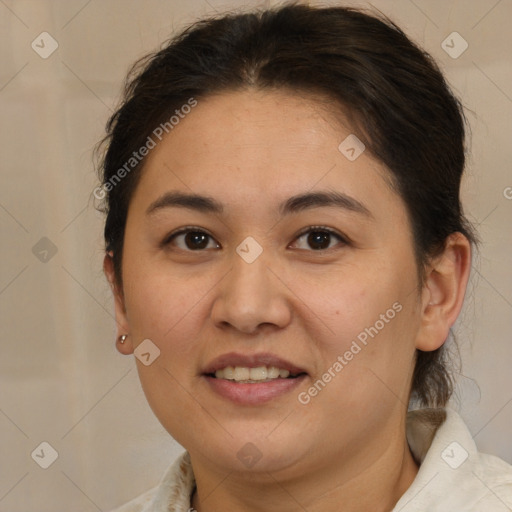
251 361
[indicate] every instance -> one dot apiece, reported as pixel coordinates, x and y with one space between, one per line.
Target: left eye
319 238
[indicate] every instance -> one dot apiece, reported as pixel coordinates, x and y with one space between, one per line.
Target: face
294 259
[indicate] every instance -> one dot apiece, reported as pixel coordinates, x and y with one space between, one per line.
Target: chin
252 454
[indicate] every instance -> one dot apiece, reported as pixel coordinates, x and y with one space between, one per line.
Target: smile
252 379
244 374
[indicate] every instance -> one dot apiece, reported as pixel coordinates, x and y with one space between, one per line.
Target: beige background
61 380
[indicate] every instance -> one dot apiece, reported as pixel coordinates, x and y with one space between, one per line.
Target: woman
287 252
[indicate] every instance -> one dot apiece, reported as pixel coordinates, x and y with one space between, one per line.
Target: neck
366 480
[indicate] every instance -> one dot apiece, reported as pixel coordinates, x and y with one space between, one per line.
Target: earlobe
123 341
124 344
443 292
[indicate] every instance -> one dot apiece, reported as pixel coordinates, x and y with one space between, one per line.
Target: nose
251 298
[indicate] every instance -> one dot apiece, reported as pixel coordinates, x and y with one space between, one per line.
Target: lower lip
253 394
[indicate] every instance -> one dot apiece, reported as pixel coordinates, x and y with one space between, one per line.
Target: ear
120 310
443 292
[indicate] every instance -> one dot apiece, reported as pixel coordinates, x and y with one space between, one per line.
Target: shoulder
139 504
453 474
496 475
175 488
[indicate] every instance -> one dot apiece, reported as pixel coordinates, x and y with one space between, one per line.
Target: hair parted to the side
393 92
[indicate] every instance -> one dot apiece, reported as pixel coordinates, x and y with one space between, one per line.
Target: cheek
369 319
353 302
163 305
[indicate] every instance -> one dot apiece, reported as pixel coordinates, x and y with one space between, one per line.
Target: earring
122 338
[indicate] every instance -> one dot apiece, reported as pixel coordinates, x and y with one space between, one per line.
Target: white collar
453 475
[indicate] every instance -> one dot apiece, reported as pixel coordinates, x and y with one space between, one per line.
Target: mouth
247 375
252 379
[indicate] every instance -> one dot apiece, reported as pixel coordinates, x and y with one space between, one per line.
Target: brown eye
318 239
196 240
192 240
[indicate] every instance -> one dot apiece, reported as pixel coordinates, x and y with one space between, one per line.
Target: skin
346 449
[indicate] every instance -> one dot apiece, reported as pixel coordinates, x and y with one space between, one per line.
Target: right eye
190 239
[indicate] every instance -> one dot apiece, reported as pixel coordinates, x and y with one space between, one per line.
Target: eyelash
309 229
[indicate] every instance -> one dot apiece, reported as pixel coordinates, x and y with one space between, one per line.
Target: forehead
267 123
257 145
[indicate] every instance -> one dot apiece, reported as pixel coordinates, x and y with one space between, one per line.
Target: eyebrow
294 204
195 202
310 200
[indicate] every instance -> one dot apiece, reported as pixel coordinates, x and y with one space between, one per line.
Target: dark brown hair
396 96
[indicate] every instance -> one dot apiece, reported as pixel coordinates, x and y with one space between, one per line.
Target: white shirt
453 476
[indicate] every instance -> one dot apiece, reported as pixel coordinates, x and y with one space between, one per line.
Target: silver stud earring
122 338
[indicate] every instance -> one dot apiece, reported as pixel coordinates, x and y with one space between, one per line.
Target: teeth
241 373
272 372
258 373
229 373
244 374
